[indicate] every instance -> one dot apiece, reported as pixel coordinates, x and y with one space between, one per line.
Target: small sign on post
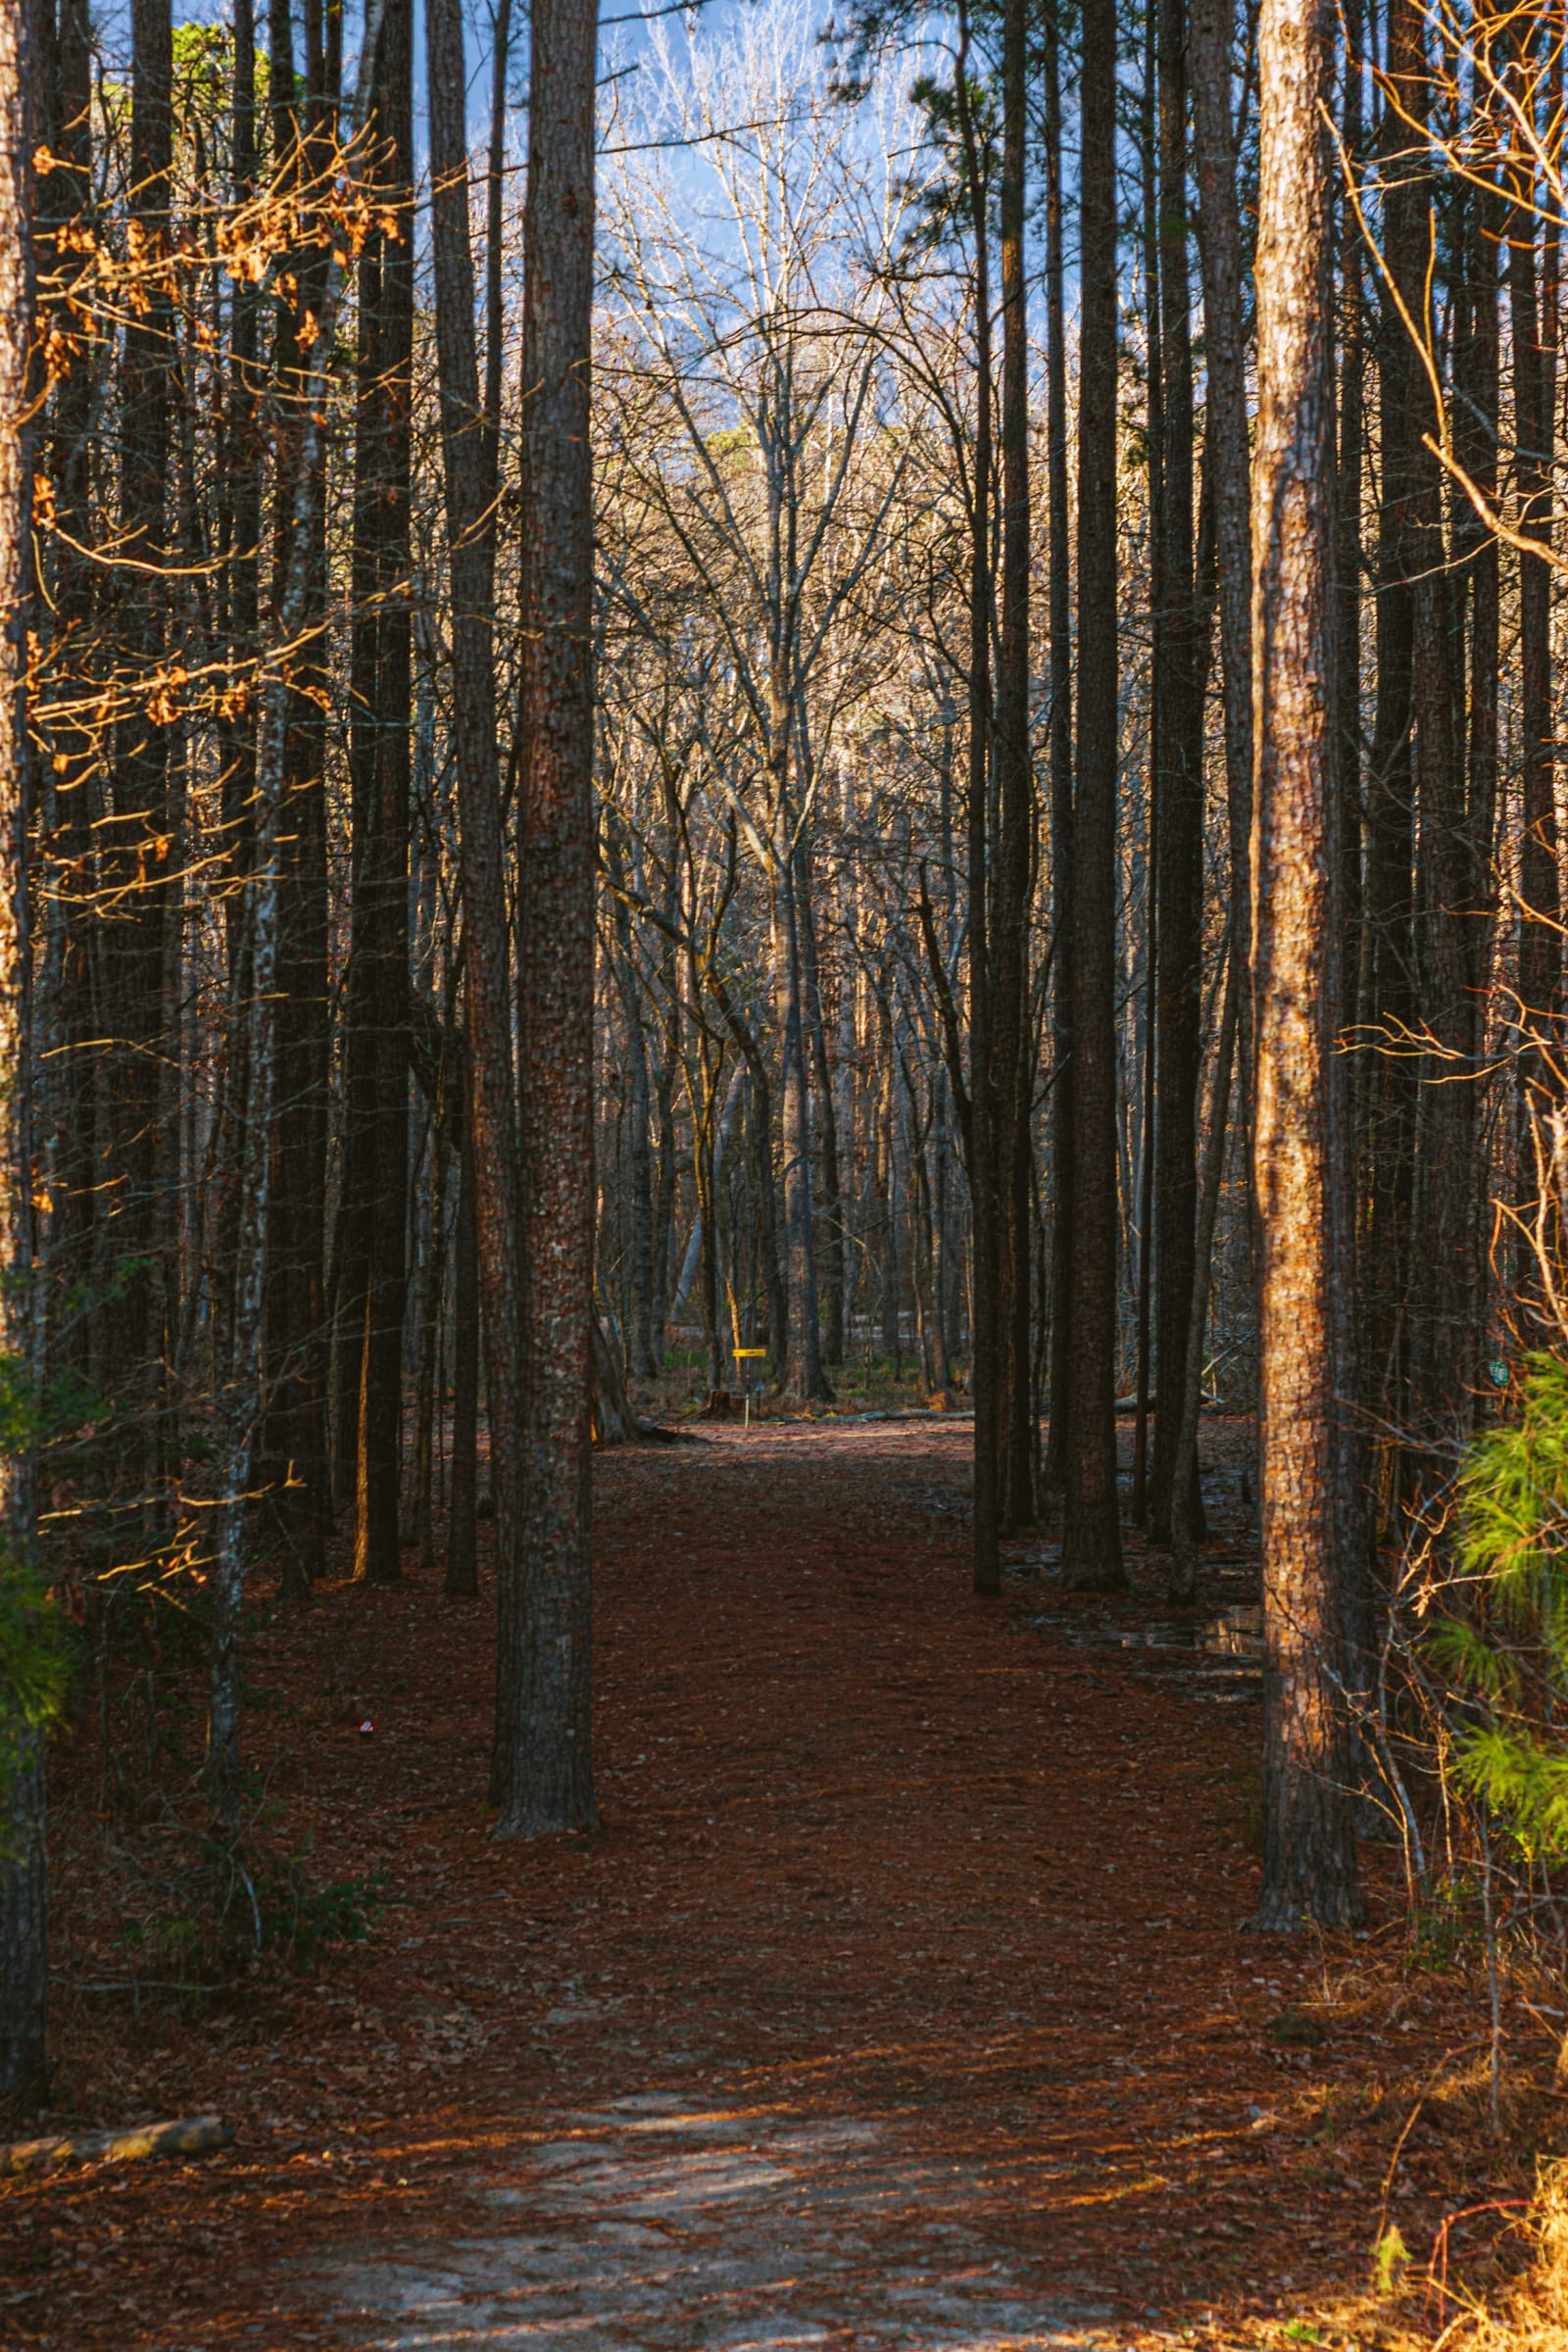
738 1353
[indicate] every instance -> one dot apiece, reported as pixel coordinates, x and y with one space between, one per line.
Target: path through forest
901 2002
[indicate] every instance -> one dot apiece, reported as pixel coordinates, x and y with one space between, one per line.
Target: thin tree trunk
1062 775
801 1365
432 1305
489 1222
1443 1307
381 880
294 1440
1013 1092
1178 1039
1540 953
24 1882
1185 1529
1390 829
984 1333
830 1206
463 1498
139 793
240 1400
1092 1533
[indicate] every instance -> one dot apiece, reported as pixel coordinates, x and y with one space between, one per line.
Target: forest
784 1173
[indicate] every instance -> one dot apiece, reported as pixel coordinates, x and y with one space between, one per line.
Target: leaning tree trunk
1309 1869
545 1689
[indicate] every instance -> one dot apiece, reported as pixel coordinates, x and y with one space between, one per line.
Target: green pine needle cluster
34 1664
1507 1654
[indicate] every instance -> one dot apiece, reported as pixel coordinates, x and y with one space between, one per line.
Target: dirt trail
900 2002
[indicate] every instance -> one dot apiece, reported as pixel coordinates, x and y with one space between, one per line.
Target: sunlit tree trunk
1310 1868
24 1885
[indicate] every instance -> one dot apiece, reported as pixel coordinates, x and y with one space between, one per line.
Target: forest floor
904 1998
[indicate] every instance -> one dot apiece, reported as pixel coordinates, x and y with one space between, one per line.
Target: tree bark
138 833
1092 1533
1309 1867
984 1333
546 1663
376 1084
240 1375
1390 1095
1178 1038
24 1883
463 1495
295 1439
1013 1092
1539 950
1062 774
489 1217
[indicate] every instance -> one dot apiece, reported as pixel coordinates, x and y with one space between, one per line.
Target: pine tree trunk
138 934
377 1053
1309 1869
1062 775
489 1225
545 1670
24 1883
985 1334
71 780
1540 951
1442 1306
294 1443
240 1373
1390 1094
1013 1092
1179 783
1091 1532
463 1495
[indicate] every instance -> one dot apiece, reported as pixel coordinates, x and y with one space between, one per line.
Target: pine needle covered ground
929 1906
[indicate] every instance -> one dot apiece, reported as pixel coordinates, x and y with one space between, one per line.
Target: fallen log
199 2135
